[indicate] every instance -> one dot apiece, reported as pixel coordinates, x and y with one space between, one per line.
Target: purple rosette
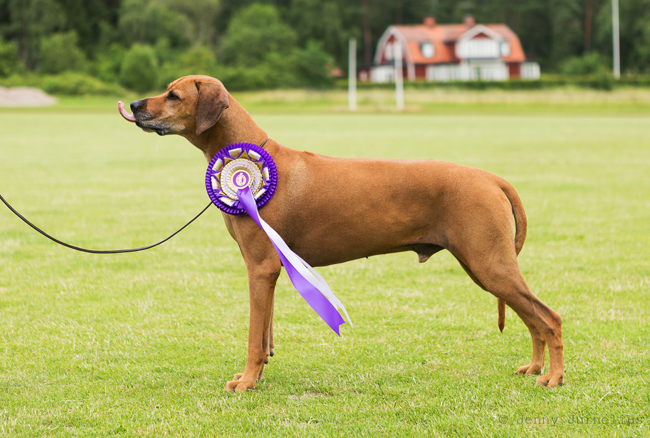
238 166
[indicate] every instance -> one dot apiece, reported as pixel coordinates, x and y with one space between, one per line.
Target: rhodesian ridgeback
332 210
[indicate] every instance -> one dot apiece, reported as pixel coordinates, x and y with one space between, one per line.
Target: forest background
104 46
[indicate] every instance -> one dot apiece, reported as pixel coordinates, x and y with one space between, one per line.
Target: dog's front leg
261 284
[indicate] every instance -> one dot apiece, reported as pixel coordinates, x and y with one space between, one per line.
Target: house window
427 50
505 49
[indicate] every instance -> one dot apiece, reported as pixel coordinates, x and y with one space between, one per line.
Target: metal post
399 83
352 74
616 40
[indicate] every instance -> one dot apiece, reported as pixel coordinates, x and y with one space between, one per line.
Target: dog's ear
213 99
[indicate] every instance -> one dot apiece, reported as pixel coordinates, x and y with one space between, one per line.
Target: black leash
112 251
93 251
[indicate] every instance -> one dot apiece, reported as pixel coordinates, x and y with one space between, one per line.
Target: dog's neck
235 125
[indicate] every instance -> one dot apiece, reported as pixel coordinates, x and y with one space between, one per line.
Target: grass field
142 344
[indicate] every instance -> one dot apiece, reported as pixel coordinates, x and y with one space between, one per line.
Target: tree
109 63
329 23
59 53
85 17
146 22
201 16
634 34
255 32
313 66
29 22
9 62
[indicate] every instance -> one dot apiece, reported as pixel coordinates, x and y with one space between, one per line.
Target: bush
77 84
22 80
59 53
9 63
277 71
139 69
589 64
246 78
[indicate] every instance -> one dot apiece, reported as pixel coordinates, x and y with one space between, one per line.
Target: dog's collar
264 142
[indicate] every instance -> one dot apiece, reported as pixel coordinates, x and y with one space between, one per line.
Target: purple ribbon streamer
314 297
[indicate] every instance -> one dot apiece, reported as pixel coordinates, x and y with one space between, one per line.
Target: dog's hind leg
537 363
501 277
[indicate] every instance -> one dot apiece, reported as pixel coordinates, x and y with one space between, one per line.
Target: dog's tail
521 225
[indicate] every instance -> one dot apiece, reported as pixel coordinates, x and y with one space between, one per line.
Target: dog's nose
137 105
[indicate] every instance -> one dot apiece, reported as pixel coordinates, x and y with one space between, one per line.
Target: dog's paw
239 384
529 370
550 381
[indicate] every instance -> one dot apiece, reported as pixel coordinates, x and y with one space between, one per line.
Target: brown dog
332 210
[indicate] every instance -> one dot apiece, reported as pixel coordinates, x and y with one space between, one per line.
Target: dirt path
25 96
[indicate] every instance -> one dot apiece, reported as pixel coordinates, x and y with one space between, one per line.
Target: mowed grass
141 345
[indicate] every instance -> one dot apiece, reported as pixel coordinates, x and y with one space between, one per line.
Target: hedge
598 82
64 84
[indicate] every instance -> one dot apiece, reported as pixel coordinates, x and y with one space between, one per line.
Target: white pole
399 83
615 40
352 75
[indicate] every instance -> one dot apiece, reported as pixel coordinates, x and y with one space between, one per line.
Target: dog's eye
173 96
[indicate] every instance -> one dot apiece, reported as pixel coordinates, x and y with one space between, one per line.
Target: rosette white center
238 174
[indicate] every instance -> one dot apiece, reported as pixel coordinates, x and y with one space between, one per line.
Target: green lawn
141 345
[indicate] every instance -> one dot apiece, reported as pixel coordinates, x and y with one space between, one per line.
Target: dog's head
190 106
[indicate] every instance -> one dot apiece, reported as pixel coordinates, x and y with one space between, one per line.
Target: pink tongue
126 115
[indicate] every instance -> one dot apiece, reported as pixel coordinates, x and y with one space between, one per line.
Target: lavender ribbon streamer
309 284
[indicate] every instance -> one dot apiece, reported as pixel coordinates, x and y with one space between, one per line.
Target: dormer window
427 50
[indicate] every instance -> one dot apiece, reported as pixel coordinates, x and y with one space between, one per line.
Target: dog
333 210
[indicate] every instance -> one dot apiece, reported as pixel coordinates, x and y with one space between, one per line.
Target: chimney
469 20
429 21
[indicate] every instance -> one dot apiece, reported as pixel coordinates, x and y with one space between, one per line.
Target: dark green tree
634 34
255 32
59 53
146 22
9 62
201 16
313 66
29 21
85 17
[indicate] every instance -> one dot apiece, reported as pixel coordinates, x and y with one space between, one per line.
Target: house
451 52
